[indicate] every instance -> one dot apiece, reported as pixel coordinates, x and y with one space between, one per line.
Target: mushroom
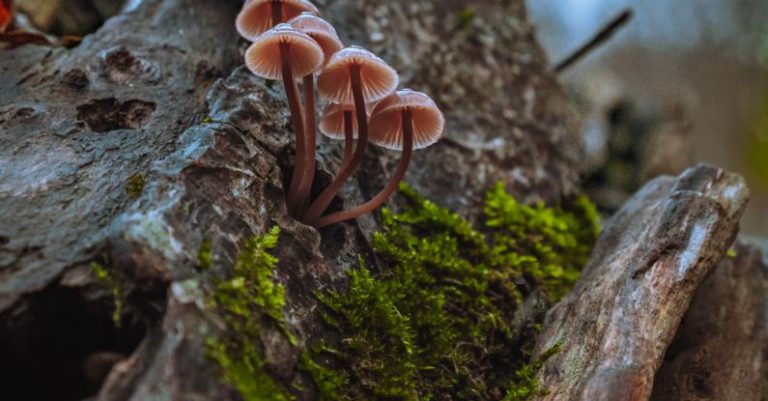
325 35
404 121
352 76
258 16
321 31
283 52
339 122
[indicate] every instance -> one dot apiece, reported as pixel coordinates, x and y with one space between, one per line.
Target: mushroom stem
321 203
292 93
349 137
385 193
277 12
310 131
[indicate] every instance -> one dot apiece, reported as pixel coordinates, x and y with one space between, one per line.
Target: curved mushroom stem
277 13
292 92
321 203
385 193
310 131
349 137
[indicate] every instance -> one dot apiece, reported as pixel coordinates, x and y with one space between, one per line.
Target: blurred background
682 82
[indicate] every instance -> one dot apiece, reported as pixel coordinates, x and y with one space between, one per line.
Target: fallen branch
601 37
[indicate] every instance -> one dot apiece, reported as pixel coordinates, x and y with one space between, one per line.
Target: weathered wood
622 315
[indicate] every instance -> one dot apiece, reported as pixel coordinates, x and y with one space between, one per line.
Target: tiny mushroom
283 52
321 31
352 76
404 121
339 122
325 35
258 16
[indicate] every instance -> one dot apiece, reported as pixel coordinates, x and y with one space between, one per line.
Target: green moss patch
246 302
437 322
106 278
135 186
205 255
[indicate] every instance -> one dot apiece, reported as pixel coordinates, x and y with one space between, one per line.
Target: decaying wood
623 313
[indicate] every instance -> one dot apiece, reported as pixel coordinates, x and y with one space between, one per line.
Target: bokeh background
682 82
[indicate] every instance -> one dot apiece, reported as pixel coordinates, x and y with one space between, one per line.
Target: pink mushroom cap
377 77
255 17
263 58
386 124
332 120
319 30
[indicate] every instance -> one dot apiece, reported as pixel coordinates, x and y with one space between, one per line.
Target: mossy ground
436 322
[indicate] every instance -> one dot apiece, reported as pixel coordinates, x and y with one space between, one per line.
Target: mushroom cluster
292 43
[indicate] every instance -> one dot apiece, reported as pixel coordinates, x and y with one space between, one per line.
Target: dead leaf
5 14
14 39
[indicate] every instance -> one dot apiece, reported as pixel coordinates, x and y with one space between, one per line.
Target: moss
525 386
135 185
552 243
466 16
118 294
205 255
437 322
246 302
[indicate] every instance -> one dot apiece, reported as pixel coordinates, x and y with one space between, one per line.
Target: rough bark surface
623 313
158 96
